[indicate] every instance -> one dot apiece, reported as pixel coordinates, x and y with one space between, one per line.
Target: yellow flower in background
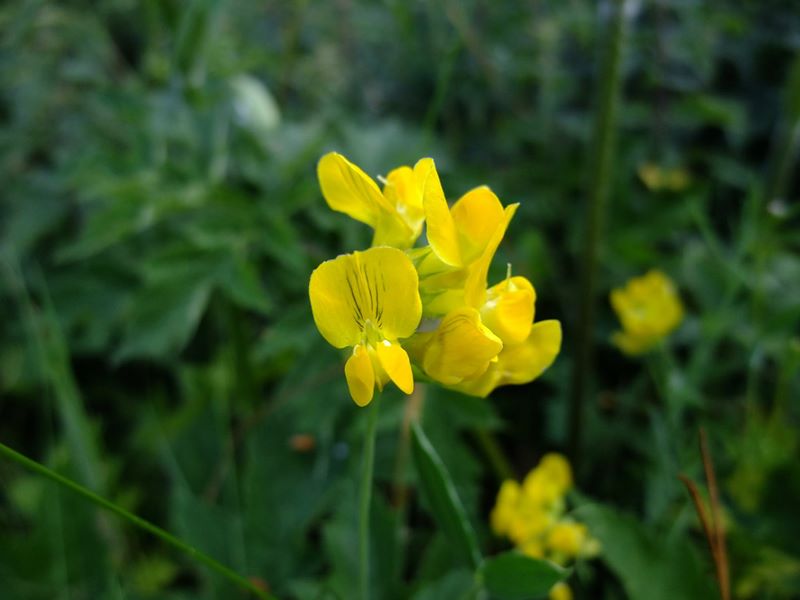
658 178
560 591
533 516
368 301
396 213
649 309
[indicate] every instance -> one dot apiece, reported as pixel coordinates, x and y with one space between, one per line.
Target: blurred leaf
456 585
648 564
514 576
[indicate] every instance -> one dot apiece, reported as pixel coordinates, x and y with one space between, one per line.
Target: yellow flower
505 507
463 240
459 349
368 301
396 214
649 309
557 470
566 539
657 178
521 363
560 591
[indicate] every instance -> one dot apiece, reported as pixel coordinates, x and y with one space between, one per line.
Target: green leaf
514 576
649 565
446 506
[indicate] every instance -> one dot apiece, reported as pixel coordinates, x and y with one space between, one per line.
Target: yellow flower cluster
649 308
533 516
395 304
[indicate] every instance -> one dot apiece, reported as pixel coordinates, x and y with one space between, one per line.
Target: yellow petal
360 376
442 235
525 362
348 189
509 309
403 193
395 362
461 348
391 286
369 292
336 314
520 363
476 215
475 288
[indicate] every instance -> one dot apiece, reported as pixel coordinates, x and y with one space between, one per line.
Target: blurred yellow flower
649 309
368 301
567 539
533 515
658 178
560 591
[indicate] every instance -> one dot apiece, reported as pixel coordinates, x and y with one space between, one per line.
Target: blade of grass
135 520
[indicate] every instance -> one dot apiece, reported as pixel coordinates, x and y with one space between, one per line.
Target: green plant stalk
365 498
165 536
494 454
601 165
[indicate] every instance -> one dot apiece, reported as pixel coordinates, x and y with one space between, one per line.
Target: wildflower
396 213
560 591
474 338
649 309
368 301
658 178
532 515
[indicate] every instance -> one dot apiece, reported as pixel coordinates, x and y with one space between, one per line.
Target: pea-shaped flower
368 301
649 308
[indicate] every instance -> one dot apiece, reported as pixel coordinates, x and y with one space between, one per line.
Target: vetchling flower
396 214
368 301
649 309
472 339
533 516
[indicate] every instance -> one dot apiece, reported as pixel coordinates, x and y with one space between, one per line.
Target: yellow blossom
396 213
368 301
520 363
658 178
560 591
567 539
649 309
505 507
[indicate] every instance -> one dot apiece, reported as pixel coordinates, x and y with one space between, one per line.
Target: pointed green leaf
446 506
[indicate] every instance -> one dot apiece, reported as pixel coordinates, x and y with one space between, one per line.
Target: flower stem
601 165
365 498
134 520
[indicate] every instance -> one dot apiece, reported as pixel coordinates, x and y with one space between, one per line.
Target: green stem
494 453
601 164
133 519
365 499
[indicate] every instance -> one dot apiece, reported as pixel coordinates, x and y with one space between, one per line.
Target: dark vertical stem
600 168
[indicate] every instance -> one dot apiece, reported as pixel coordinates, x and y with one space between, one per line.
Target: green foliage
512 576
160 217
